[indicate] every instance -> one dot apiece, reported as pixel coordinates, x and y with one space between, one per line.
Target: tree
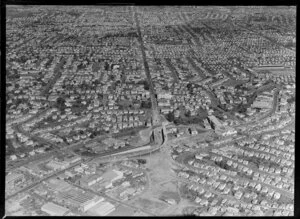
187 113
60 103
291 99
111 77
170 117
60 100
142 161
189 86
166 88
146 86
145 83
146 104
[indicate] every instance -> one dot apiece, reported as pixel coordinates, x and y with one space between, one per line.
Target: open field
162 186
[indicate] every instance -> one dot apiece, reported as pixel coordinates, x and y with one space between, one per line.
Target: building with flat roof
91 203
77 198
54 209
101 209
127 192
90 180
262 104
110 176
57 165
214 121
72 158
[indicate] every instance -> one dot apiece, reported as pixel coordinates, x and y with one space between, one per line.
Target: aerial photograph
131 110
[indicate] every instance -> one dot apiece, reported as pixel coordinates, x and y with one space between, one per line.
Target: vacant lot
162 185
155 207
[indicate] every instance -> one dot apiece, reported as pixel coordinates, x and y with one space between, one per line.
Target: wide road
62 171
155 117
57 148
12 165
109 154
41 180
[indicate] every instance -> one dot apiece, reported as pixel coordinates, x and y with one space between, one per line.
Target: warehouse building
110 176
57 165
76 198
101 209
90 180
91 203
214 122
54 209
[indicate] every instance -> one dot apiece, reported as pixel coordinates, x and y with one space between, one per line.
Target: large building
219 128
90 180
225 131
57 165
264 101
76 198
164 95
54 209
101 209
91 203
110 176
262 105
214 122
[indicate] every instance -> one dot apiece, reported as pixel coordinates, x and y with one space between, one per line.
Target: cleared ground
163 185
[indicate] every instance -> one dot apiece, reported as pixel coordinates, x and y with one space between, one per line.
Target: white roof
102 209
54 209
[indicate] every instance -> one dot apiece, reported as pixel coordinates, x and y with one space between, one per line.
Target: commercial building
90 180
262 104
54 209
127 192
91 203
72 158
225 131
214 122
110 176
101 209
77 198
164 95
57 165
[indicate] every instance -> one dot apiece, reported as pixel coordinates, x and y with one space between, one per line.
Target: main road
155 113
111 155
